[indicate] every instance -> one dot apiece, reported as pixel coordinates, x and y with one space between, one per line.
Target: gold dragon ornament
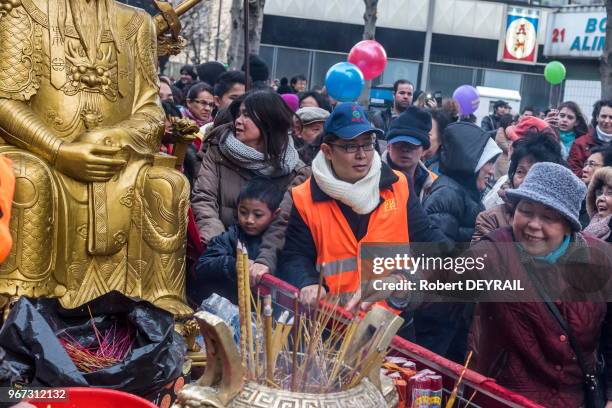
96 207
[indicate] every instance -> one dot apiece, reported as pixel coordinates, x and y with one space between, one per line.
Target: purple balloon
468 99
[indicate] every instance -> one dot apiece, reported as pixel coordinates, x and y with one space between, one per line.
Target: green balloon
554 72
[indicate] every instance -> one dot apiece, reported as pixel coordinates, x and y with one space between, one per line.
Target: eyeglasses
354 147
592 164
204 103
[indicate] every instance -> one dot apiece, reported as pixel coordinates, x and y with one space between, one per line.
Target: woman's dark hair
264 190
197 88
284 81
170 109
297 78
273 118
442 118
581 126
321 100
177 95
227 80
597 108
506 120
540 146
606 152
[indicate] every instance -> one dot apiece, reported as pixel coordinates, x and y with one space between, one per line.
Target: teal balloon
554 72
344 82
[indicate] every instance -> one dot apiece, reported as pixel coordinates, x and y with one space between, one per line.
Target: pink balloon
370 57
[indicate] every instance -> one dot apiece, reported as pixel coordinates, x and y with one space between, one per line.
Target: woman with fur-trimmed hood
599 204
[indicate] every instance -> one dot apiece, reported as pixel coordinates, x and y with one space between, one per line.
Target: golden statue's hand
88 162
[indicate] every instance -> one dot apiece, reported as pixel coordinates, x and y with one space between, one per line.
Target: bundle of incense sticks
302 351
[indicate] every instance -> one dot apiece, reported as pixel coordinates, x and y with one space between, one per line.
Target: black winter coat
454 201
216 269
381 119
452 209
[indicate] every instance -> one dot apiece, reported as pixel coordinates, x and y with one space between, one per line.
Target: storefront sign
577 34
519 42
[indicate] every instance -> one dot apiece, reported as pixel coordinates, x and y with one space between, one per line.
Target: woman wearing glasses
351 198
200 104
255 144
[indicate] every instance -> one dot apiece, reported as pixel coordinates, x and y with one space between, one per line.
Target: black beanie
210 71
414 123
258 68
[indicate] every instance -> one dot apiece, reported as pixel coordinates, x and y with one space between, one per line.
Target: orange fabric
337 247
7 189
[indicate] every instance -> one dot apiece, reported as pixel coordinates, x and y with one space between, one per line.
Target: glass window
267 54
291 62
535 91
322 63
503 80
397 69
446 78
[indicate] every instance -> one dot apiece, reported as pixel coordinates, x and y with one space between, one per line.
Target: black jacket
380 119
216 269
454 201
490 123
298 258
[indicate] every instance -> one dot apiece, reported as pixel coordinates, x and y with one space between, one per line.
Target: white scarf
363 196
604 137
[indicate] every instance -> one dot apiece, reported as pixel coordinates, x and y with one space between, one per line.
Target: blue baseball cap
348 121
407 139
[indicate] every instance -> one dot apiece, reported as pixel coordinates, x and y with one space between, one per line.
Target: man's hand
256 272
308 295
608 404
88 162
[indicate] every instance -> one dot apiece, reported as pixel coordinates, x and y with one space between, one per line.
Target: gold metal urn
223 384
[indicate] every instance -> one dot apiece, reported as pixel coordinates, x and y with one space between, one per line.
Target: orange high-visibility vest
337 248
7 189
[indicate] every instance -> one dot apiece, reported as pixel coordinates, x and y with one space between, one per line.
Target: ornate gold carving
222 384
130 28
128 198
83 227
20 54
170 46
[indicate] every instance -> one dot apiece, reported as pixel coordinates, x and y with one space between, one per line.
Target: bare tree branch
605 67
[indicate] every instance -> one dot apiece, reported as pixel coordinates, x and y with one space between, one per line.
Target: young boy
258 204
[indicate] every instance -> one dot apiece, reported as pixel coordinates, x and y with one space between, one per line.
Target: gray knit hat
554 186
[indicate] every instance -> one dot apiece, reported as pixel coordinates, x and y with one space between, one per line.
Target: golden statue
96 208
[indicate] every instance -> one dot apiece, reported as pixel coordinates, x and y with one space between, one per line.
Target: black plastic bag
30 339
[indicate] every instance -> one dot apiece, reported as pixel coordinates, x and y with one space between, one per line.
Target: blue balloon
344 82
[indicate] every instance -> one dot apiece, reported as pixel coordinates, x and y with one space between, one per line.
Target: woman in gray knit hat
519 341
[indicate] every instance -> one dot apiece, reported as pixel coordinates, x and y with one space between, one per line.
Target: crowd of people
303 181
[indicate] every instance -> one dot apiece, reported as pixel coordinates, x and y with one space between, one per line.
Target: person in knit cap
259 72
407 139
292 101
210 72
541 343
351 198
466 164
